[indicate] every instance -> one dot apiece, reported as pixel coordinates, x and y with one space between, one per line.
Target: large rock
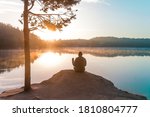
68 84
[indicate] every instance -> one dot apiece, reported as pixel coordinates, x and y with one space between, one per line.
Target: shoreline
69 85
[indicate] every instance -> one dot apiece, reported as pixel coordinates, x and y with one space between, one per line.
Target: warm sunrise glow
48 35
67 33
49 59
119 18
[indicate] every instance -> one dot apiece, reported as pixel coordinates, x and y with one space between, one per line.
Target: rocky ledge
68 85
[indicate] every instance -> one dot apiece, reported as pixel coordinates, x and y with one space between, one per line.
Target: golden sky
120 18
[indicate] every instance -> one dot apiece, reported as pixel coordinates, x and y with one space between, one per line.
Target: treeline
103 42
12 38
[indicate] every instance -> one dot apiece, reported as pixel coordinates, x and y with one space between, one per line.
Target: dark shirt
79 64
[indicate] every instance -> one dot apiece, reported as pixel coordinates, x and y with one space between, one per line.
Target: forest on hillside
12 38
103 42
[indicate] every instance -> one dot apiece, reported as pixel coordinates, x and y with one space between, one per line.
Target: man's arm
73 61
85 62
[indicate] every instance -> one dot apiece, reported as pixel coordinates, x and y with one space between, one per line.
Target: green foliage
104 42
12 38
54 20
56 4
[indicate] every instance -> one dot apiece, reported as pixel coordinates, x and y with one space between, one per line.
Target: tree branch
40 14
32 4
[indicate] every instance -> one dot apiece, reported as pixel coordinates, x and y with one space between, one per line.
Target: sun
68 32
48 35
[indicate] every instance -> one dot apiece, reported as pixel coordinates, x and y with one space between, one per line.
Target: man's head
80 54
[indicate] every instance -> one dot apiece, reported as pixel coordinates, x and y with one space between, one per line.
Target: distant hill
103 42
121 42
12 38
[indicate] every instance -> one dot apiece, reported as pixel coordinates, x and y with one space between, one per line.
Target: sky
119 18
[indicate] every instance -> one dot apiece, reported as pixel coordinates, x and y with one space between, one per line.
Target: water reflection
10 59
127 68
49 59
106 52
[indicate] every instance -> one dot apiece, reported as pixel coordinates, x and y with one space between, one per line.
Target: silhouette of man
79 63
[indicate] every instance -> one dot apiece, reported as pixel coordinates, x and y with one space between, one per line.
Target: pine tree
51 19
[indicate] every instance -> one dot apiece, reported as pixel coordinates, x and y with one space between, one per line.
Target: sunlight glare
50 59
48 35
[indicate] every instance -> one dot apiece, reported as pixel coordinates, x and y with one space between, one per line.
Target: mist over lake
127 68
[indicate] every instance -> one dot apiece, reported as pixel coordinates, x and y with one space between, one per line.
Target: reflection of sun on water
49 59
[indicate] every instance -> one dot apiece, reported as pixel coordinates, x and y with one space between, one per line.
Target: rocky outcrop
68 84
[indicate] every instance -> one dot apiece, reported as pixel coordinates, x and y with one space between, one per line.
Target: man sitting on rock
79 63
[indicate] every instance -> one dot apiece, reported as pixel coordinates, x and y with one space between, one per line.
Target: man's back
79 64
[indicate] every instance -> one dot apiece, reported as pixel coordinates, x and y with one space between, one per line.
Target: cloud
98 1
9 3
4 11
91 1
10 6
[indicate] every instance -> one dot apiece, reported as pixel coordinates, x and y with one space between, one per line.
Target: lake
127 68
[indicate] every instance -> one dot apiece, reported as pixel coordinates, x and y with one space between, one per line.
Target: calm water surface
128 69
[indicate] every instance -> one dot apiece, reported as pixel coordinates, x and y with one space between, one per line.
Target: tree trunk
27 86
